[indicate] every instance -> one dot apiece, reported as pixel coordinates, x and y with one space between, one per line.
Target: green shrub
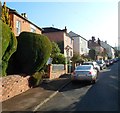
32 52
38 78
59 59
9 45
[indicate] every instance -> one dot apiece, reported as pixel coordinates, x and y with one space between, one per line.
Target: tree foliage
9 45
55 49
32 53
76 57
58 58
92 54
5 15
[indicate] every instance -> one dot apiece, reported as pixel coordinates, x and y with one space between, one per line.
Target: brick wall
24 25
56 74
13 85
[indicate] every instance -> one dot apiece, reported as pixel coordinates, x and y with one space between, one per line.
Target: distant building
96 45
21 23
109 49
65 42
80 44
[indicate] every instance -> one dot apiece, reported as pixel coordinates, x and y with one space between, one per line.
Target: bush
38 77
59 59
9 45
32 52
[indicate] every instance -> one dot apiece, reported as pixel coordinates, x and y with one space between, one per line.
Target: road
102 96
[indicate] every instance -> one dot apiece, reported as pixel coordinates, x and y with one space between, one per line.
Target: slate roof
52 29
72 34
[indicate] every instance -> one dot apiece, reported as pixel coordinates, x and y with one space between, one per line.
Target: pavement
33 98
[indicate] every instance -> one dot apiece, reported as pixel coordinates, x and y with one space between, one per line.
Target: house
20 23
109 49
100 51
62 38
80 44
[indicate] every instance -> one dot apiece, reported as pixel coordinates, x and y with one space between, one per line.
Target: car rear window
83 68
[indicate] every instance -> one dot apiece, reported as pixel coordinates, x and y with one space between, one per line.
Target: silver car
84 72
95 65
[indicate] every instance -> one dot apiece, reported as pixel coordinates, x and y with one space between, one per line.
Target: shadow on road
102 96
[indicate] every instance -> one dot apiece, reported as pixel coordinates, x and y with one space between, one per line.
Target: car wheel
93 81
73 81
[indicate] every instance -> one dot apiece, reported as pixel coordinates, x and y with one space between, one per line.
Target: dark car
107 62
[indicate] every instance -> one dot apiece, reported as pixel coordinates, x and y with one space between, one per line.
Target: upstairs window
18 27
33 30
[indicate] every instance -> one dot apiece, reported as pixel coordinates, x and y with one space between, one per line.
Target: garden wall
13 85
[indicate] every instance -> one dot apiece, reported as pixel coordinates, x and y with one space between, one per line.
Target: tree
92 54
8 46
55 49
58 58
32 53
5 15
76 57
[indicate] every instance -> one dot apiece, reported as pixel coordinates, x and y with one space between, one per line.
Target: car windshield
99 62
83 68
87 63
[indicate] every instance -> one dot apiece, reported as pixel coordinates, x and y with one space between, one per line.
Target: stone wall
13 85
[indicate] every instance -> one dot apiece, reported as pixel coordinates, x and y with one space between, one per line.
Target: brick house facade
60 36
100 51
20 23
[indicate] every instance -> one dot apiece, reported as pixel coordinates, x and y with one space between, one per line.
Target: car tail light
90 72
74 72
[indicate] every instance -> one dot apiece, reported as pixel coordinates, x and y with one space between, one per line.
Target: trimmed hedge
32 52
9 45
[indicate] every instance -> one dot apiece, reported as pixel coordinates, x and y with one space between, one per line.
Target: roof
107 44
52 29
72 34
13 11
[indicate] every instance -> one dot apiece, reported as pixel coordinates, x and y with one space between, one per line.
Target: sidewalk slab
28 100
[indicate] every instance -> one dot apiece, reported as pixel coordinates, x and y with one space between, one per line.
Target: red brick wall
61 36
25 25
55 36
57 73
13 85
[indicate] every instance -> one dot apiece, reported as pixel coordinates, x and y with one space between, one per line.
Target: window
18 27
33 30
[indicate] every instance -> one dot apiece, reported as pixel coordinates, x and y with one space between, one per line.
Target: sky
99 19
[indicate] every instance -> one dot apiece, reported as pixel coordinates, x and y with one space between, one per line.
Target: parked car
107 62
111 61
95 65
102 64
84 72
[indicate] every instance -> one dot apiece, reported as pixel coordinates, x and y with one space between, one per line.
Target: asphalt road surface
102 96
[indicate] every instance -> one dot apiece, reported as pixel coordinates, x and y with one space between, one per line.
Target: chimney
24 15
65 29
93 39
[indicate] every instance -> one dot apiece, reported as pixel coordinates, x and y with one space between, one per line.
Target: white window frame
18 27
